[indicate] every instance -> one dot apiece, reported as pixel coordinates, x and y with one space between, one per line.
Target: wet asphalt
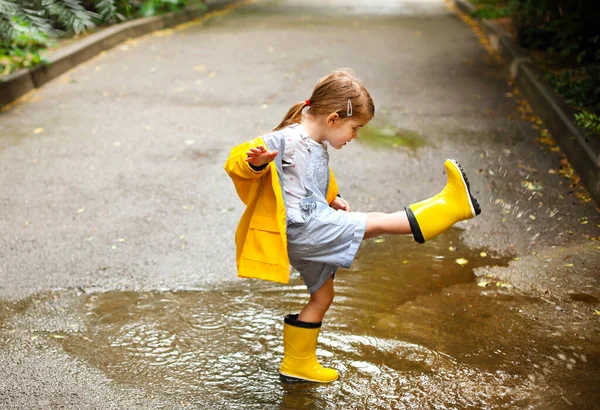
112 174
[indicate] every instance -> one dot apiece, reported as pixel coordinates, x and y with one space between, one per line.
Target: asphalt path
112 175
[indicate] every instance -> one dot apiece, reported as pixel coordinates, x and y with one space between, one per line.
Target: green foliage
27 27
581 89
154 7
492 9
70 15
568 27
589 121
580 86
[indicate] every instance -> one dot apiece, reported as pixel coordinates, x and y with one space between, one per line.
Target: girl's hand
340 203
260 156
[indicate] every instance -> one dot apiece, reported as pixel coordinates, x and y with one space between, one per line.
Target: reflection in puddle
409 328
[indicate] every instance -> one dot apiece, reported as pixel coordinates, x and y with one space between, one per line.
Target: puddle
391 136
409 328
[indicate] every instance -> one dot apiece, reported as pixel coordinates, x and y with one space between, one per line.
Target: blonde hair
331 95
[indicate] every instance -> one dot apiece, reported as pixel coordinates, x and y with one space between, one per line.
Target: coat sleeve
332 191
236 165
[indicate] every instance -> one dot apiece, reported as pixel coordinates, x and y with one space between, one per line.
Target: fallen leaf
483 254
532 186
568 264
462 261
38 130
379 240
452 248
482 284
81 210
405 262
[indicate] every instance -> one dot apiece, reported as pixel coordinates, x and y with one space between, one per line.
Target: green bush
27 27
569 27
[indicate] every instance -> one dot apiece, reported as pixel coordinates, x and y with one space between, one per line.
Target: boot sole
475 208
291 379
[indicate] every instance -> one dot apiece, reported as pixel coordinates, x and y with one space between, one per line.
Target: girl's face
342 131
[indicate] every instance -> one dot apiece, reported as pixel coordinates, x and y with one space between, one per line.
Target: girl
295 215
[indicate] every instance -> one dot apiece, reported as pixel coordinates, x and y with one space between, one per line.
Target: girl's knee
323 297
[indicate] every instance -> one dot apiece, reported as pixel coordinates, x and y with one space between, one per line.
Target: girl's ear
332 119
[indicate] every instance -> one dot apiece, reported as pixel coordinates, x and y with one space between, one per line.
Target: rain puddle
391 136
409 328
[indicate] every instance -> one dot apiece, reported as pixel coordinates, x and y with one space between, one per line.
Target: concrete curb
582 151
22 81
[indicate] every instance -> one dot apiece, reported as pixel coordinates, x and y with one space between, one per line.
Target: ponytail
293 116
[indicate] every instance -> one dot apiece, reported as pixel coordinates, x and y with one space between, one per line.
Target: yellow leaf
482 284
38 130
379 240
568 264
596 312
462 261
405 262
483 254
81 210
452 248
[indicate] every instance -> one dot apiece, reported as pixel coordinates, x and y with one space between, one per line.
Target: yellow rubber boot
437 214
300 353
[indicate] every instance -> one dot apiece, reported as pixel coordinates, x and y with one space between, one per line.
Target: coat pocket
264 242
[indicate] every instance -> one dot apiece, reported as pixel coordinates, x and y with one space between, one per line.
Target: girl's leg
319 303
428 218
379 223
300 334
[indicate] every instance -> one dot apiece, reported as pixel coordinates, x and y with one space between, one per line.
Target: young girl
295 215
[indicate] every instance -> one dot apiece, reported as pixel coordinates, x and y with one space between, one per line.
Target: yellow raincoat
260 238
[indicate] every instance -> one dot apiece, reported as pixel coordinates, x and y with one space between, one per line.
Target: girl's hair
331 95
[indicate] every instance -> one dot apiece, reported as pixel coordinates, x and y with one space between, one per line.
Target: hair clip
349 110
307 103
